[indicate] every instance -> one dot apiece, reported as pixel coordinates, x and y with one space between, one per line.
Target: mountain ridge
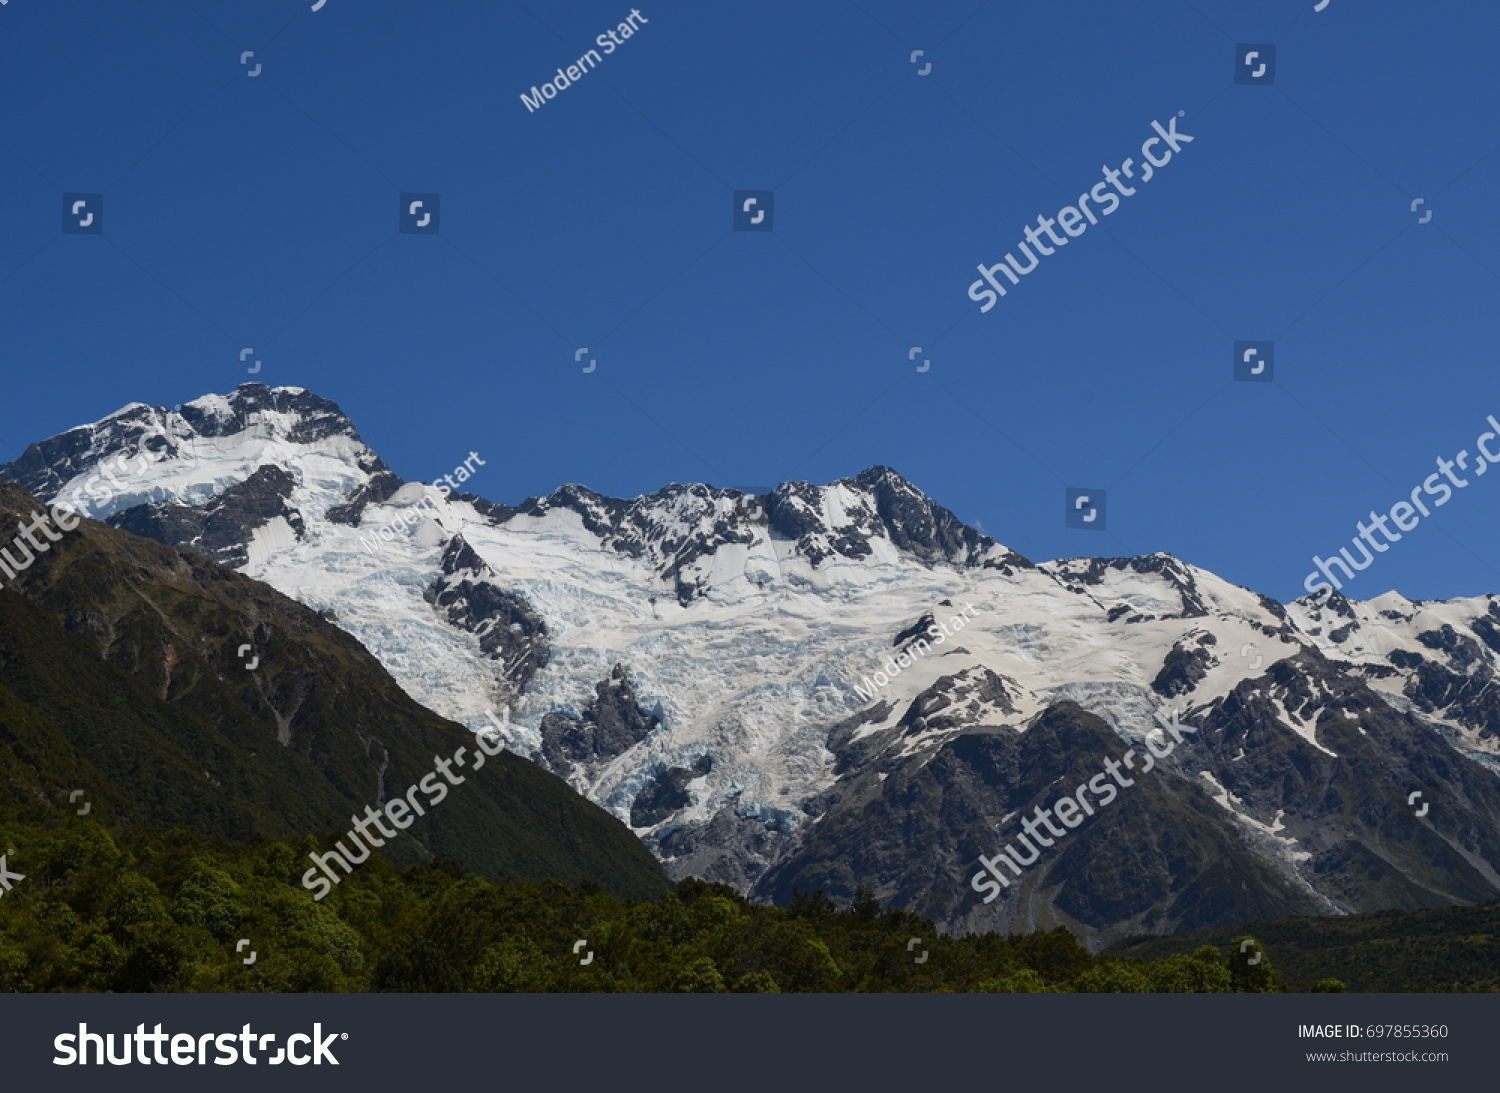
735 627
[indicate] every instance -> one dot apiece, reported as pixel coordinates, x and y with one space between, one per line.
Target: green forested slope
1443 949
119 676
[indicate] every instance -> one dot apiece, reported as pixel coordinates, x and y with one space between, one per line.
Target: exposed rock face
667 793
1181 847
508 629
381 487
217 529
609 726
1186 665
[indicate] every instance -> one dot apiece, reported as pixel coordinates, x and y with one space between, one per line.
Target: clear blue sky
261 212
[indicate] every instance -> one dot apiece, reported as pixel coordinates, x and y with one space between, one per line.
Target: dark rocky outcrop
610 724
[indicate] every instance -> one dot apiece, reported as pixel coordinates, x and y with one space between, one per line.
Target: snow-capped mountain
703 663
